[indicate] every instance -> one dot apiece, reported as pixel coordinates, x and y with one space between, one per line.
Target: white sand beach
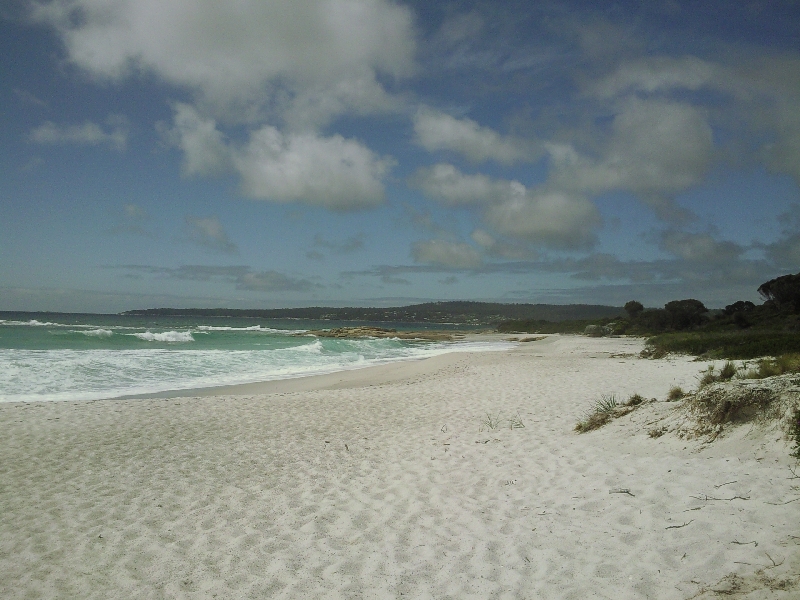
387 483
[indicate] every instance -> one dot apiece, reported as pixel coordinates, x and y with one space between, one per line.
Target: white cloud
762 92
700 248
656 149
483 239
551 218
447 254
205 151
85 134
657 74
234 54
436 130
209 232
333 172
446 183
537 215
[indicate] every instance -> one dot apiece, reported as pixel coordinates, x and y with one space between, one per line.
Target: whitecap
166 336
97 332
314 347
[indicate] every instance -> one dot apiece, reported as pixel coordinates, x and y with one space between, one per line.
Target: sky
266 154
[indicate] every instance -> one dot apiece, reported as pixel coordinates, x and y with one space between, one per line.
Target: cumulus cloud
700 247
205 151
761 91
445 253
449 185
236 54
784 252
656 149
552 218
560 219
333 172
209 233
436 130
87 133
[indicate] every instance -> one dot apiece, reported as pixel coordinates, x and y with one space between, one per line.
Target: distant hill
466 313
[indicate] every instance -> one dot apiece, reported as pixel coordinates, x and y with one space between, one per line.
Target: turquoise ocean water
88 357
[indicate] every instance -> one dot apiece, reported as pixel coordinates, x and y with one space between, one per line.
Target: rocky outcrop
378 332
599 330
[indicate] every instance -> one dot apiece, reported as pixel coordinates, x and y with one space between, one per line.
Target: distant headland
455 312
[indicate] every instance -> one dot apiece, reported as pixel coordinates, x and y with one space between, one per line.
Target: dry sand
386 483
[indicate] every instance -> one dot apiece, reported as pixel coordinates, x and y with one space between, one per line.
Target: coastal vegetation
742 330
606 408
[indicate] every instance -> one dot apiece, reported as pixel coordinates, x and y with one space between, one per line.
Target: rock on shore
379 332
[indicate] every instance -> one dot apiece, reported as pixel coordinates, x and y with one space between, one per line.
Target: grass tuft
675 393
491 421
634 400
601 413
794 432
728 371
516 422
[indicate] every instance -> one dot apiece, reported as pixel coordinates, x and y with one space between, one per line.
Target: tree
783 292
633 308
739 306
685 314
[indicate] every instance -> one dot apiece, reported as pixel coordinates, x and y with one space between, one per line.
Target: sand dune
388 483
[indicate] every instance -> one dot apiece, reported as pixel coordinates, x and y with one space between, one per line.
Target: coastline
352 377
388 480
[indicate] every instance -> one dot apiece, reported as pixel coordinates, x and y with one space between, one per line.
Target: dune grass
606 408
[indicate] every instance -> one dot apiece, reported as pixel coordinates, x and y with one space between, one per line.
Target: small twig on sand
707 498
678 526
745 543
728 483
621 491
774 564
782 503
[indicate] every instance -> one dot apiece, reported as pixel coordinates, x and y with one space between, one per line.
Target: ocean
91 357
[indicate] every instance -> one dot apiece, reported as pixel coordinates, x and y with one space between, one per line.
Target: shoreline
409 478
264 385
348 377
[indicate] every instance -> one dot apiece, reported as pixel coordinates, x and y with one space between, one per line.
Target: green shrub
728 371
738 344
770 367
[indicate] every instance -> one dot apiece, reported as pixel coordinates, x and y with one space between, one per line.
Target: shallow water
86 357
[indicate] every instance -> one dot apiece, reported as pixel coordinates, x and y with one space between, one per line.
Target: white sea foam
36 323
257 328
97 332
165 336
70 374
314 347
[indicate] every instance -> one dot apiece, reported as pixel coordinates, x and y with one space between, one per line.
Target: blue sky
372 152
